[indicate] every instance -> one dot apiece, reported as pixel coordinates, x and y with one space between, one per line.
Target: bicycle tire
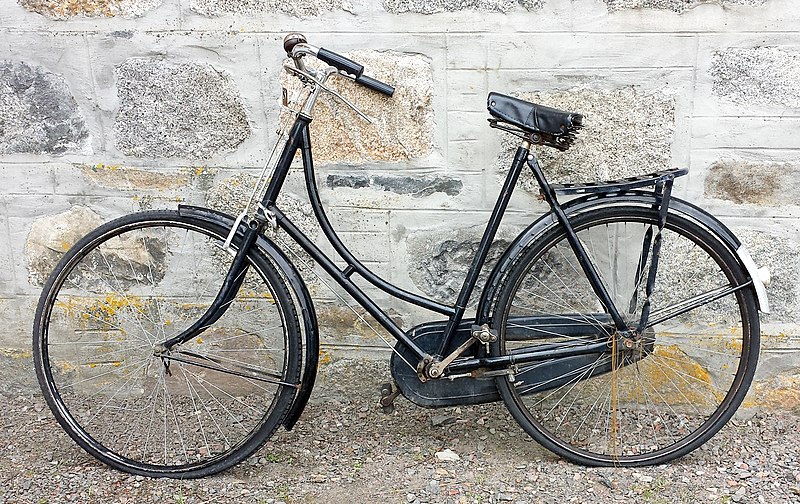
619 407
133 283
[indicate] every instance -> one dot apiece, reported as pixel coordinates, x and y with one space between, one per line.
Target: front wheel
679 382
132 284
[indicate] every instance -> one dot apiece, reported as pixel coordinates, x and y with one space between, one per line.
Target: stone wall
111 106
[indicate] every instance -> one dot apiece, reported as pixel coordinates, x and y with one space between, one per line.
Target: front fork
227 293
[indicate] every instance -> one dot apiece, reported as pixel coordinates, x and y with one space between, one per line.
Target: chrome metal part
480 334
760 276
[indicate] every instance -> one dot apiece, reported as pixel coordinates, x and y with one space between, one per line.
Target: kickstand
388 395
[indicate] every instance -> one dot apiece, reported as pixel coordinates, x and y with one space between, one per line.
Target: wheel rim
131 288
662 399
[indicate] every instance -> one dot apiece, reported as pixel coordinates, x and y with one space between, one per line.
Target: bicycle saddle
553 127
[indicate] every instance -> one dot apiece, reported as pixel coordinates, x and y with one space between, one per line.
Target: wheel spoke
650 397
137 281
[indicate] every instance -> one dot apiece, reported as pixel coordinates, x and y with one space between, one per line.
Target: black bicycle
620 328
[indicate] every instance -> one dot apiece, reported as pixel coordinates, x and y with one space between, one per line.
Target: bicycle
620 328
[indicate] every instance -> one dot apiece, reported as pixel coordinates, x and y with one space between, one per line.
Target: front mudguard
593 202
300 294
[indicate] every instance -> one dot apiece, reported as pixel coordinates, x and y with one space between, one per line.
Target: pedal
388 395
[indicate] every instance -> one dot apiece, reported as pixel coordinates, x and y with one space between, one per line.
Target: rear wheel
680 381
132 284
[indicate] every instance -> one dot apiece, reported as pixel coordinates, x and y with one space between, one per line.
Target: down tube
347 284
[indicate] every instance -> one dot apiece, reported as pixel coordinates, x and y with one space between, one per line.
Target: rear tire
666 397
131 284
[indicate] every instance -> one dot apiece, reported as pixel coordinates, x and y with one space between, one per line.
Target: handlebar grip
340 62
376 85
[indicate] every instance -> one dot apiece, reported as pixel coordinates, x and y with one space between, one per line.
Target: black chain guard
444 392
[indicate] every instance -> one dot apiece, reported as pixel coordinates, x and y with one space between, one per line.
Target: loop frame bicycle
619 328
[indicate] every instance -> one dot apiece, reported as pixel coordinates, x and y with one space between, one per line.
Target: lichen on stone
183 110
675 5
38 114
65 9
626 132
436 6
402 125
306 8
757 75
123 177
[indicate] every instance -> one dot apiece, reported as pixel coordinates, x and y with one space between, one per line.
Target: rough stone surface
50 237
299 9
781 392
768 184
125 178
626 132
757 75
440 259
674 5
63 9
184 110
402 126
435 6
415 186
38 115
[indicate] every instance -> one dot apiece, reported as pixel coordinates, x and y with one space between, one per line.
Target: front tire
131 284
670 394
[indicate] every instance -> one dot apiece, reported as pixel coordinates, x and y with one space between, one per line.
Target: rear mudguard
301 295
593 202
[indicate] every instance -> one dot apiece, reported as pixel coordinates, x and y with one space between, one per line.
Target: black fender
290 274
593 202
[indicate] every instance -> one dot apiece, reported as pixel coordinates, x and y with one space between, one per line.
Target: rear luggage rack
623 184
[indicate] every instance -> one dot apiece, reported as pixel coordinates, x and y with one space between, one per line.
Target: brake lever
349 104
328 72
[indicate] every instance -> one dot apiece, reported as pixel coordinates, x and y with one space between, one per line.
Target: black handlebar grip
376 85
340 62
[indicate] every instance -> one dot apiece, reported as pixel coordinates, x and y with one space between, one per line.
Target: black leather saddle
544 125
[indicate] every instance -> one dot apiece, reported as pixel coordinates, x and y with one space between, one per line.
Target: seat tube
577 247
485 243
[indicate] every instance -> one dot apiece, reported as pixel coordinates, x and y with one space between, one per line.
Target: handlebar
296 47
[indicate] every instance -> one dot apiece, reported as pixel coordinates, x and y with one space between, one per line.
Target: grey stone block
626 132
184 110
65 9
757 75
299 9
767 184
412 185
435 6
674 5
440 259
38 114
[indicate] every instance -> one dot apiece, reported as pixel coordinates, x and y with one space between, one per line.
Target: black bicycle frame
299 139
